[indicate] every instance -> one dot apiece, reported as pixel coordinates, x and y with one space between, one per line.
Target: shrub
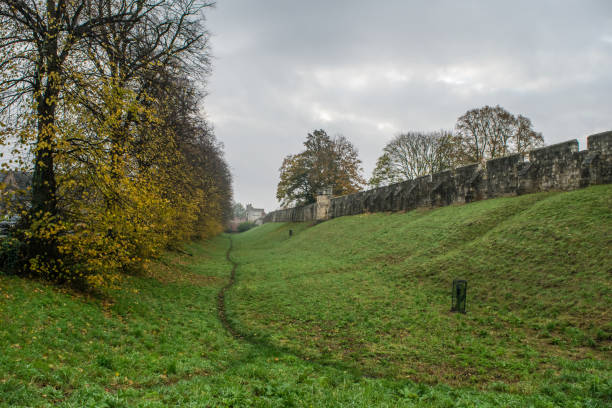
245 226
10 254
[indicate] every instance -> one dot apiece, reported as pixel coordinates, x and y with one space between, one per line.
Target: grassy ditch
373 292
351 312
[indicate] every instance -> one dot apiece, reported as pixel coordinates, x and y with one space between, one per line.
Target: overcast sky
371 69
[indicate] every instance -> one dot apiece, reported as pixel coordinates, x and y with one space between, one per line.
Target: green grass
350 312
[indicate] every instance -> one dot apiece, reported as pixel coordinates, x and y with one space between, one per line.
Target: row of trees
480 134
98 99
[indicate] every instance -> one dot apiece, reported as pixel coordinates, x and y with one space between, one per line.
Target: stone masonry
558 167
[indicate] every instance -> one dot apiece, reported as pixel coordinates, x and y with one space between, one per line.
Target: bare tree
411 155
525 138
491 132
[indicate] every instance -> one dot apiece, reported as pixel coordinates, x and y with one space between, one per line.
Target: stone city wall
557 167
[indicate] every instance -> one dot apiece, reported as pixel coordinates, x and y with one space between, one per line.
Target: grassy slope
373 291
365 294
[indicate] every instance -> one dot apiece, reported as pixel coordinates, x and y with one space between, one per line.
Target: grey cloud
371 69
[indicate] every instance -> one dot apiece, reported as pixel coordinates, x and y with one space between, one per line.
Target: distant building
254 214
14 180
251 215
13 187
13 193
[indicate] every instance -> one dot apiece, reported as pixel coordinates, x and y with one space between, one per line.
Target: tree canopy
490 132
411 155
100 99
325 162
239 211
480 134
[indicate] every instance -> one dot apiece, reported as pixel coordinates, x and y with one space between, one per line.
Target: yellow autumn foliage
125 188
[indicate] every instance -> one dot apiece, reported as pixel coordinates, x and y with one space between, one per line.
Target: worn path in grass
262 343
221 296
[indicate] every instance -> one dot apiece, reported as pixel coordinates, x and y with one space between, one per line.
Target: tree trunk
44 188
44 201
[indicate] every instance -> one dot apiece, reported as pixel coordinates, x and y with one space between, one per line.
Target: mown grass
351 312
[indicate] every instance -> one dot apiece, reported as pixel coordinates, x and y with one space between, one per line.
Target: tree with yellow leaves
101 93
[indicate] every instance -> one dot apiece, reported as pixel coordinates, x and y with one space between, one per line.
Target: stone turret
323 204
254 214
